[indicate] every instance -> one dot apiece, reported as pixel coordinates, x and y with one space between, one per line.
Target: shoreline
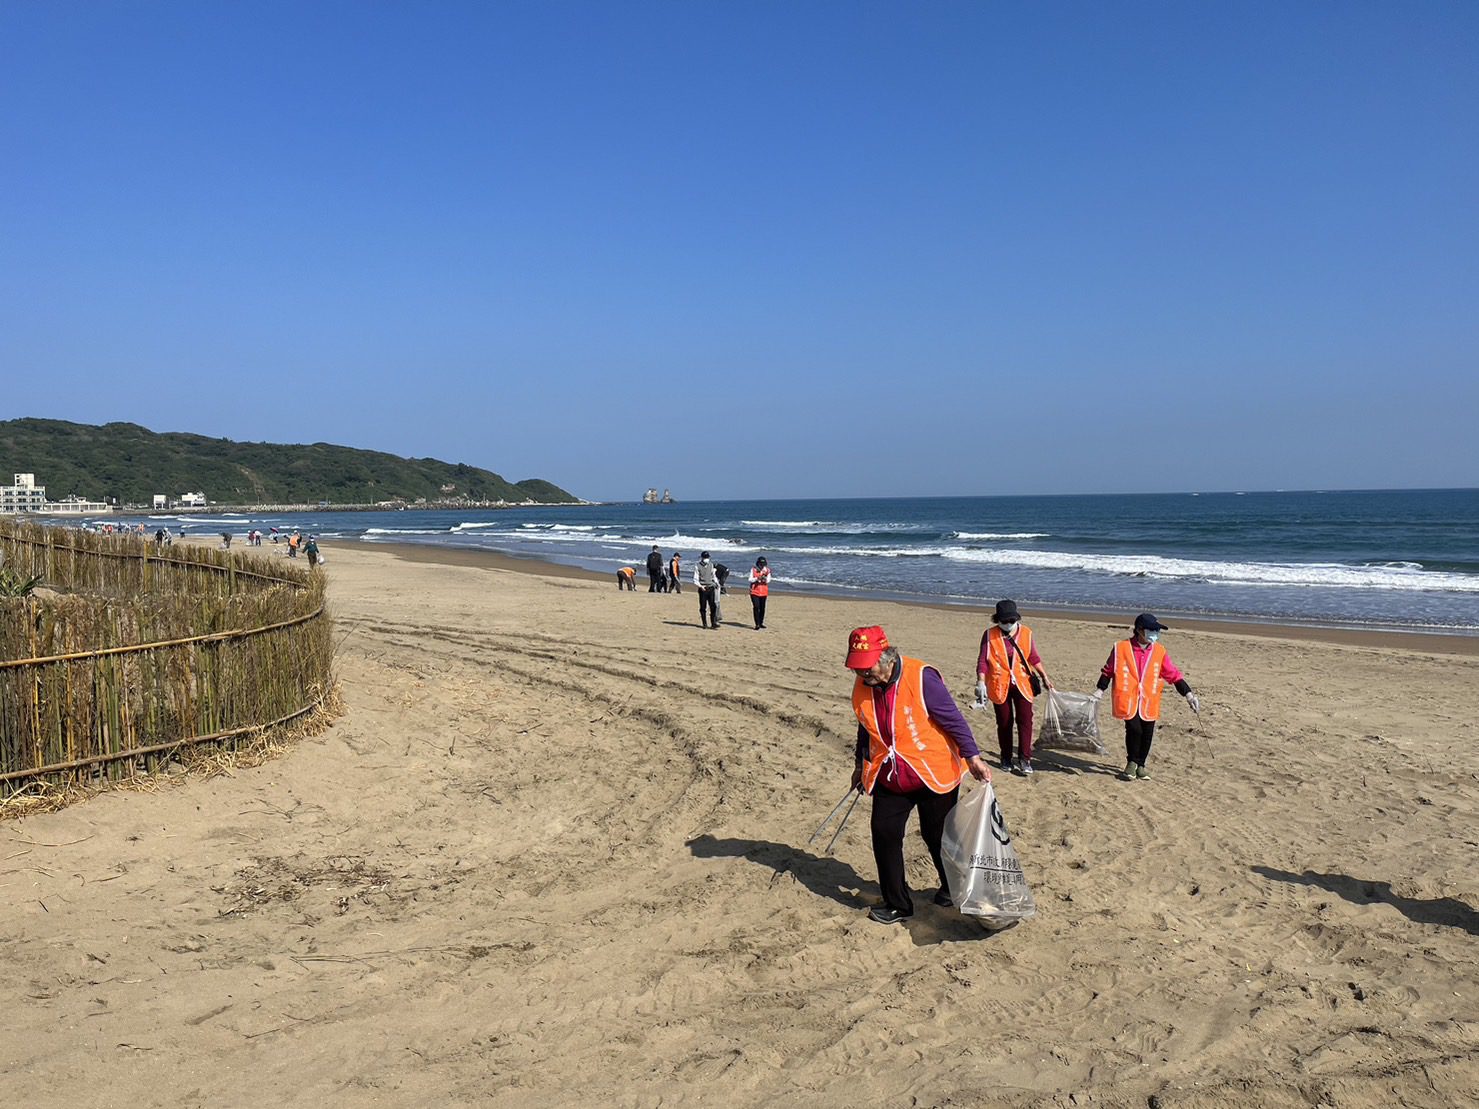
1428 642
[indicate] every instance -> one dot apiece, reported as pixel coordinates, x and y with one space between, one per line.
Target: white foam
1309 574
999 535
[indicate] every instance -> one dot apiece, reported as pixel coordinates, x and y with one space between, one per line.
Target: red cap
864 646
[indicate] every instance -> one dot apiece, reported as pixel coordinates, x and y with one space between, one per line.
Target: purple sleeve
944 712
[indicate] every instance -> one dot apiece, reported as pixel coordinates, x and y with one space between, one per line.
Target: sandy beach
554 853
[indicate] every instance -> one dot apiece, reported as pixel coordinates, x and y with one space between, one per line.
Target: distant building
192 500
76 506
24 496
161 501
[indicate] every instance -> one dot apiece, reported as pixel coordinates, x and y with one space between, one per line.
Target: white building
161 501
24 496
192 500
76 506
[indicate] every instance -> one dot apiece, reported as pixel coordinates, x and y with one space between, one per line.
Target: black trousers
758 604
1138 734
675 585
890 816
708 605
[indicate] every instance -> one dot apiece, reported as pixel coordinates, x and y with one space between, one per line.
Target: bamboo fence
130 653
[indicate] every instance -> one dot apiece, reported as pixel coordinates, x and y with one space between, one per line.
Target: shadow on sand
1447 911
836 880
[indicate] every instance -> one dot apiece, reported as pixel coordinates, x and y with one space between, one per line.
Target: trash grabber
843 822
830 815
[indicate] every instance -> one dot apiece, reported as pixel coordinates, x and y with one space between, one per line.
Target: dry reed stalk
131 652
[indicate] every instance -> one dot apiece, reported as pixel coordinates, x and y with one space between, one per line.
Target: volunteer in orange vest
1003 680
913 747
759 590
1139 668
675 568
626 578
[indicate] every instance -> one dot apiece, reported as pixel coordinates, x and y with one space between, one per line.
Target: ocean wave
976 535
781 523
1312 574
404 531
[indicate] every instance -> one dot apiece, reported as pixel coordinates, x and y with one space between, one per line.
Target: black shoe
884 915
943 898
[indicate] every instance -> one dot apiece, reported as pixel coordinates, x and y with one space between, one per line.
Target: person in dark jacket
655 571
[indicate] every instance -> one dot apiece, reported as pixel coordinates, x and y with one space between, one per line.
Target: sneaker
1142 772
1017 768
943 898
1006 763
1128 773
1024 767
884 915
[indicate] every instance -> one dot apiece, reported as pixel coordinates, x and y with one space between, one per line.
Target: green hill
132 463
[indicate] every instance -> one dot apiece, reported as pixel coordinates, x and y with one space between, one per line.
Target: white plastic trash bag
1069 722
986 879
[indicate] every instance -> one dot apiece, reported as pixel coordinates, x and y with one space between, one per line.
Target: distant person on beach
722 572
706 581
311 550
1004 668
891 693
159 537
759 590
654 570
626 578
675 568
1139 669
225 541
293 541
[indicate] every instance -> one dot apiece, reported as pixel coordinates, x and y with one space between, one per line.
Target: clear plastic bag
1069 722
986 878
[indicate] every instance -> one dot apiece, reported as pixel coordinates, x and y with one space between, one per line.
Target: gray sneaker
1128 773
1024 767
1142 772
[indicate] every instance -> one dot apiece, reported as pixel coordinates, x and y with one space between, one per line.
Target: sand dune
553 854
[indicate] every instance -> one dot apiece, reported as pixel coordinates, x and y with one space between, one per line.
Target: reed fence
130 653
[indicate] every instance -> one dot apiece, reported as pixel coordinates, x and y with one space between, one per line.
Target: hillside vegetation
132 463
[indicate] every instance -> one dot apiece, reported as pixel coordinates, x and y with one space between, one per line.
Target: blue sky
758 249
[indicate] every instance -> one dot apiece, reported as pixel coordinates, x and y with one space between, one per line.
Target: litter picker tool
828 819
841 824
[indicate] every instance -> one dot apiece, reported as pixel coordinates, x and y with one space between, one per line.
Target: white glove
1194 701
981 698
1097 695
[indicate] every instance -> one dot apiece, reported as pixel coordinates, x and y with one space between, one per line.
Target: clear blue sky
758 249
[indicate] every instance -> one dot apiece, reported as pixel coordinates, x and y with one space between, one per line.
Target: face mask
1008 629
1151 637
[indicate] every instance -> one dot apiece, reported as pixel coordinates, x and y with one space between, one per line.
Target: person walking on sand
627 577
654 570
310 548
706 581
1005 667
759 590
1139 669
913 747
675 569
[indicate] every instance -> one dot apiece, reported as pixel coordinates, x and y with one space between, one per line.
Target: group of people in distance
914 745
709 578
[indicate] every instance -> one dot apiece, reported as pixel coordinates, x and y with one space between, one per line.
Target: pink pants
1020 707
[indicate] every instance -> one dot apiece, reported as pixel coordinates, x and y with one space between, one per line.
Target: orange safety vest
1135 695
674 566
999 676
760 584
918 740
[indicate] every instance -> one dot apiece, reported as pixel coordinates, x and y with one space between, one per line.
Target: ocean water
1395 559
